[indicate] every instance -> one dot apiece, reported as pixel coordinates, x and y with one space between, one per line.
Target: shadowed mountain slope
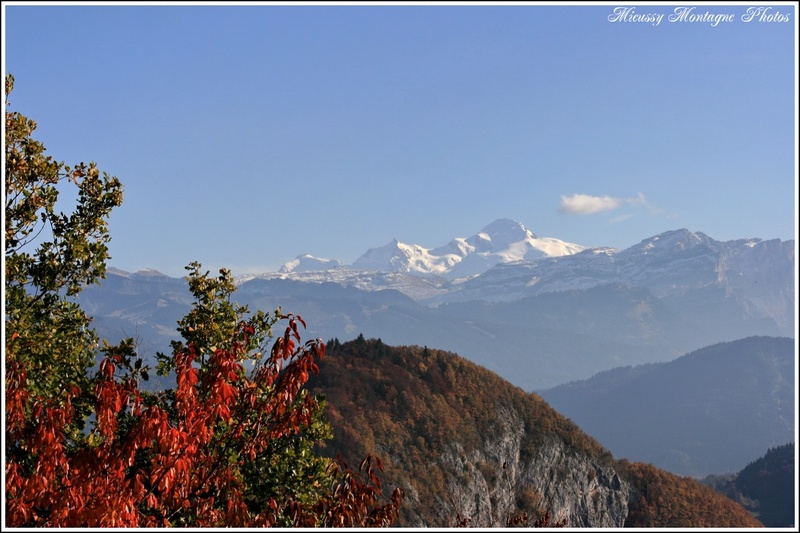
766 487
708 412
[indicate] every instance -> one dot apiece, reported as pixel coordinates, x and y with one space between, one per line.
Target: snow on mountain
411 258
506 241
758 274
505 262
308 263
502 241
424 273
414 286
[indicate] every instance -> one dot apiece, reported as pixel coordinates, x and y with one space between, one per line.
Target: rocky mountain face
470 448
580 491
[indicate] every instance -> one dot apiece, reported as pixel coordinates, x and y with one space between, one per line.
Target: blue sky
247 135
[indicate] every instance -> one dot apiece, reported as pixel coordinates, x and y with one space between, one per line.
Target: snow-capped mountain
400 257
757 273
505 261
307 263
502 241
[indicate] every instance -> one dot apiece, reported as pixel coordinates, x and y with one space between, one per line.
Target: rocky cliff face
490 484
579 489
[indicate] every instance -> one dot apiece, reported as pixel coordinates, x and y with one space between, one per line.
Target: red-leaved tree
181 456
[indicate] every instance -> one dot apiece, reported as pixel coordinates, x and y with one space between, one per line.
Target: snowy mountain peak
400 257
502 241
505 231
671 241
307 263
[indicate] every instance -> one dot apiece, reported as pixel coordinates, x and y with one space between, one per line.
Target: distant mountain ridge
710 411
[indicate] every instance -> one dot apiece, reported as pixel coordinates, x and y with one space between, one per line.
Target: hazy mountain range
506 261
538 311
709 411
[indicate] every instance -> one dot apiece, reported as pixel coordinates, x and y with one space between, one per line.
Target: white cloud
585 204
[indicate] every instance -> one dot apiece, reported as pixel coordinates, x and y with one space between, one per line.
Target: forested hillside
765 487
465 445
